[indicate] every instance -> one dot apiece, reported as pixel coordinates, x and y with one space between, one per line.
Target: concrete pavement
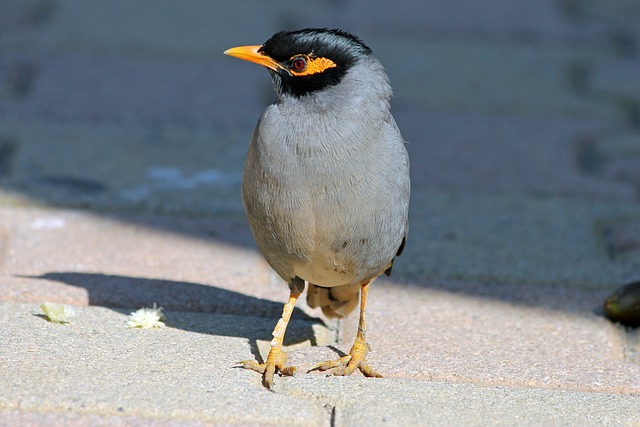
123 131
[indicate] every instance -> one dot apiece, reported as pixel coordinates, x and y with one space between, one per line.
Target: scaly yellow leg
277 358
356 357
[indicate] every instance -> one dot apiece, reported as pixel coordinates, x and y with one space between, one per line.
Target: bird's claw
346 365
276 362
331 364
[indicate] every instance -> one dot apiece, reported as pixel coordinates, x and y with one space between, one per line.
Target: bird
325 186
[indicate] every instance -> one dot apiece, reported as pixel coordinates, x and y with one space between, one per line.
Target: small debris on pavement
57 313
147 318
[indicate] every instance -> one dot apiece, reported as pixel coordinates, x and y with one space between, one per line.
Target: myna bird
326 180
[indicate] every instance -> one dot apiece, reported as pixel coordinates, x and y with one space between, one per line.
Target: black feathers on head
341 47
338 45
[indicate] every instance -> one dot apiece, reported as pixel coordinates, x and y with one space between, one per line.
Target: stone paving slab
620 11
96 366
138 168
618 78
134 91
85 368
528 80
114 263
616 158
511 154
493 19
517 239
439 335
583 23
72 419
197 28
384 402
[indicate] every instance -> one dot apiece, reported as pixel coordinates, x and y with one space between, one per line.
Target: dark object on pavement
623 306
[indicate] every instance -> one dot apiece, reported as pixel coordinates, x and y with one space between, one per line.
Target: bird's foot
276 362
346 365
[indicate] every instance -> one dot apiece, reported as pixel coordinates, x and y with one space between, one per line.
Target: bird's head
306 61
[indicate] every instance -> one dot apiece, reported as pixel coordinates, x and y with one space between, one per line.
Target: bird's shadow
253 318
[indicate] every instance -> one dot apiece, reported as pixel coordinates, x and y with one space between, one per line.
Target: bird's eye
299 64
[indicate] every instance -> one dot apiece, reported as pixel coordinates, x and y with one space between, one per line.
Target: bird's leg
277 359
355 359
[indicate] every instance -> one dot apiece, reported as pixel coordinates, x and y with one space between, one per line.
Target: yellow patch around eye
315 66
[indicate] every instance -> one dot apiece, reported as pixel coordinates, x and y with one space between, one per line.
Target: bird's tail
337 301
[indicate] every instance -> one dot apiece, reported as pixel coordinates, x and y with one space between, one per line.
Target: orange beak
250 53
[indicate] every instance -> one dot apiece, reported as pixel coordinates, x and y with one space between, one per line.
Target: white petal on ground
147 318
